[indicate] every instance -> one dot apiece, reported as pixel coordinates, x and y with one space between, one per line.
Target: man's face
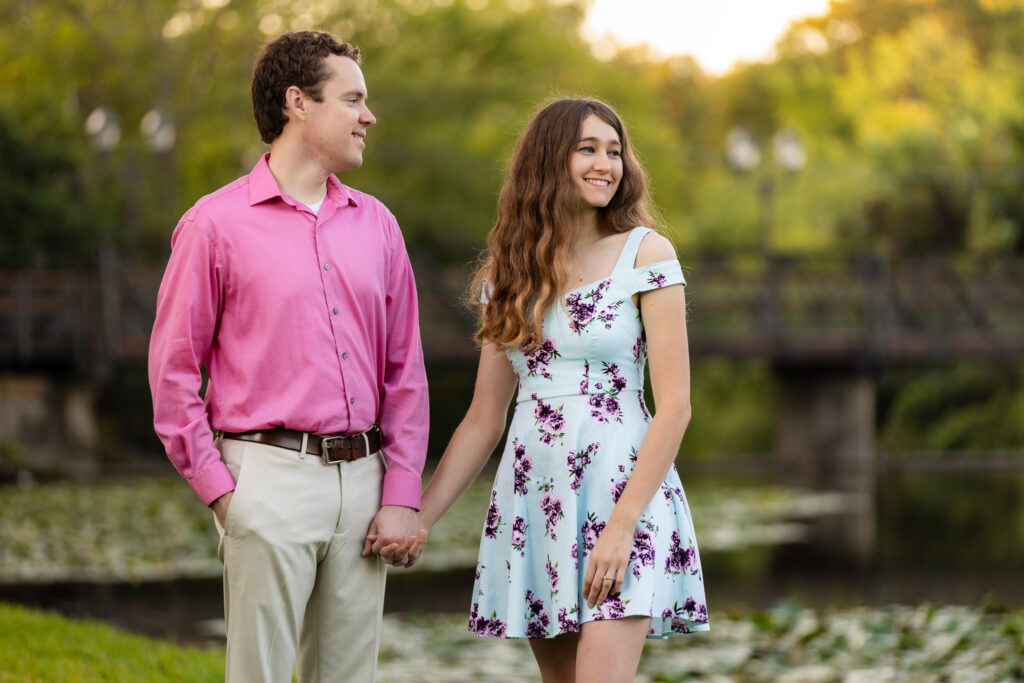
336 127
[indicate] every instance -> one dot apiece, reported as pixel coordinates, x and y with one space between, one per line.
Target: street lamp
743 153
103 128
158 129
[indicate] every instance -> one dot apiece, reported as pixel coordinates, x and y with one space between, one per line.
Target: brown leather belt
330 448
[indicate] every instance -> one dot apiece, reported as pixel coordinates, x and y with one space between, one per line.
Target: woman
588 546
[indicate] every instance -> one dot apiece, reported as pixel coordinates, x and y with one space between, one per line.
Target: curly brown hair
291 59
525 264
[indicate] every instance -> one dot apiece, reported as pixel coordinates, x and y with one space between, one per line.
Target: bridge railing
47 317
862 309
790 310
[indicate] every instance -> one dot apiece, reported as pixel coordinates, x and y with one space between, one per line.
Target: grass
37 646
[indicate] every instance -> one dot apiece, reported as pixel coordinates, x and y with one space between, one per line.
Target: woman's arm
468 450
663 312
476 436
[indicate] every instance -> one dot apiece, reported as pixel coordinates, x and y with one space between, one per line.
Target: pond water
916 536
905 537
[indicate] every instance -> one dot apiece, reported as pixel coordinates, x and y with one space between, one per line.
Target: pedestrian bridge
825 325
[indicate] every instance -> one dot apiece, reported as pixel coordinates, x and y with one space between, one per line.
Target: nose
601 162
367 118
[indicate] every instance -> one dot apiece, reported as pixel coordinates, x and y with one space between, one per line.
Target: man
296 293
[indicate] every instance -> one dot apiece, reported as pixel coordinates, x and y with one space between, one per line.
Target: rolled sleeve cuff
402 488
212 482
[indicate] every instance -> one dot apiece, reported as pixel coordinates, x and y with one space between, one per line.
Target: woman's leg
556 657
609 650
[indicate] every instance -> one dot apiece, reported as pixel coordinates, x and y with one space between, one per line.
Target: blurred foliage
912 115
960 406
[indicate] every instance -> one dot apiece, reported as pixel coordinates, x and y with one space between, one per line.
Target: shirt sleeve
404 412
187 310
658 275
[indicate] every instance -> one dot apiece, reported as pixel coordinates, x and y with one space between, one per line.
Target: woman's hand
405 554
608 562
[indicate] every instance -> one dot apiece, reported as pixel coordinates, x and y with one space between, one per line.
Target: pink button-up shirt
305 322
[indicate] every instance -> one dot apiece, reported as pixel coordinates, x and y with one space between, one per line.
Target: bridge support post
47 426
825 439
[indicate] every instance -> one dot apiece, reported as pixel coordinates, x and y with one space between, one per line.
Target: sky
716 32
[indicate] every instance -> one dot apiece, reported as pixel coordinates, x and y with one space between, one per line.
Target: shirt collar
263 186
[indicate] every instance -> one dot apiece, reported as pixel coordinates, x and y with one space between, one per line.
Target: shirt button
344 355
334 311
327 266
351 400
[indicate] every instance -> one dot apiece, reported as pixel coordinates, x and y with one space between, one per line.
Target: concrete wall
47 426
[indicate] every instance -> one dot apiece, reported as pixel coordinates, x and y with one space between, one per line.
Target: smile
598 181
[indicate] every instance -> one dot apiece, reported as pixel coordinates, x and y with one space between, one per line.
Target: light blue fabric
579 421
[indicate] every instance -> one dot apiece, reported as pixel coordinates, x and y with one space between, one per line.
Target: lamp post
743 153
103 128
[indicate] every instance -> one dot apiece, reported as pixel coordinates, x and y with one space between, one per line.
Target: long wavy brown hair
525 267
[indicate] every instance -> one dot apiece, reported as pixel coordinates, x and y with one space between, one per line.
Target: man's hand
394 534
220 507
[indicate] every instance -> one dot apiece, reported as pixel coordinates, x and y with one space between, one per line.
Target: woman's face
595 164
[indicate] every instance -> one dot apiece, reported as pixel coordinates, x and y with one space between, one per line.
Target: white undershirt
315 208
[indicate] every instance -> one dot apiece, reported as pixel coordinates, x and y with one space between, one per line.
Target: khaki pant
297 593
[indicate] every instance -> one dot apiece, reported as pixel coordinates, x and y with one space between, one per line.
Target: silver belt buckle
325 449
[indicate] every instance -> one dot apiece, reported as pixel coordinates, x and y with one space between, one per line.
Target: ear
295 103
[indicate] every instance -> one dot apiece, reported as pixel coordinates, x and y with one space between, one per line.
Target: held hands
396 535
608 563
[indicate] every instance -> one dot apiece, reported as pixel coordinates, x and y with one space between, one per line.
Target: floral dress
579 421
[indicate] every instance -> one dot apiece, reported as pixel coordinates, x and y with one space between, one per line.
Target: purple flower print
643 406
575 552
642 554
656 279
614 607
538 360
679 558
583 308
617 488
493 521
539 619
604 407
520 466
580 312
493 627
585 382
519 535
691 611
578 462
550 421
639 351
552 508
612 411
552 570
567 624
590 530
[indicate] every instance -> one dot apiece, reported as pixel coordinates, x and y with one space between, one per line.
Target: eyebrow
610 141
356 92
